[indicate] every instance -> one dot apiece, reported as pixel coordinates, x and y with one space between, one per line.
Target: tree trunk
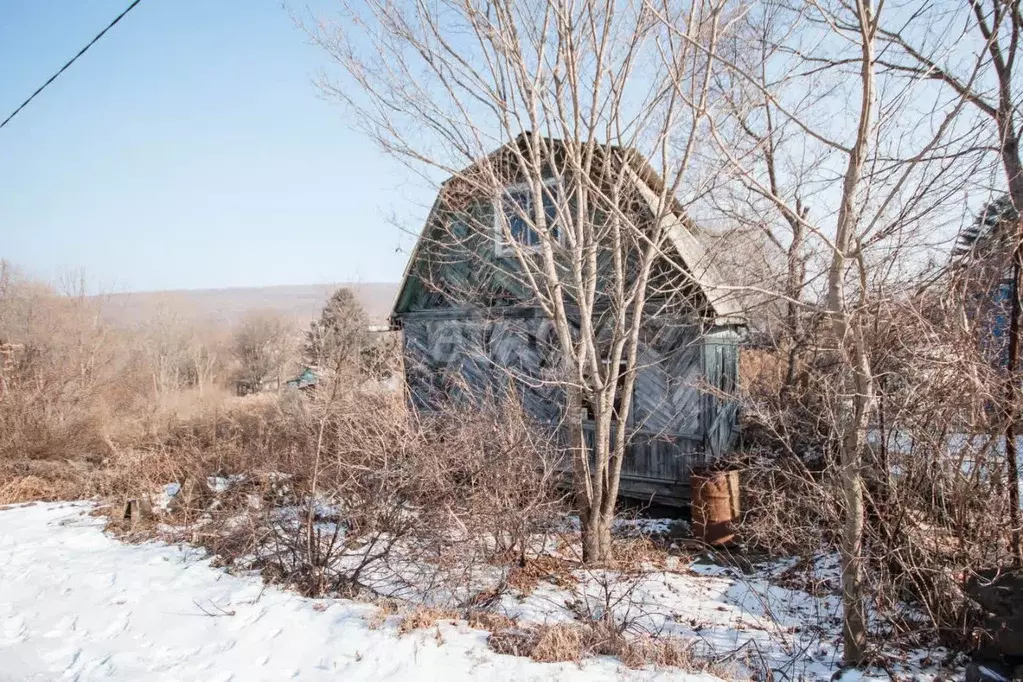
854 619
588 492
1012 402
1014 173
596 537
795 281
854 405
596 521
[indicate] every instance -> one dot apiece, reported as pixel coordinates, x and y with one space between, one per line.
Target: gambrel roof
722 304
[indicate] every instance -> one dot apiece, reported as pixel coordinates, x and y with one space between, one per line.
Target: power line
71 61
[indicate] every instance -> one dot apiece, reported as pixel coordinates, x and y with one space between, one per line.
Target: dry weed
559 642
512 642
554 570
638 554
488 620
424 617
385 609
574 641
377 620
671 652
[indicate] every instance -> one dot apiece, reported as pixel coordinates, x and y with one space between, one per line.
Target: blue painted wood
473 332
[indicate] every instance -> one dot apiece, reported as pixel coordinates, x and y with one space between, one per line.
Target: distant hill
302 302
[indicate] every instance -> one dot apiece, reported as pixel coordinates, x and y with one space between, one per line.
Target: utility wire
71 61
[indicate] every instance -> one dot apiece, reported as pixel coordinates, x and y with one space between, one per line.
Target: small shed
468 325
304 381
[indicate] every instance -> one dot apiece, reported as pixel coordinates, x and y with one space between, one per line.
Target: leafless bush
78 395
59 360
935 479
378 501
263 344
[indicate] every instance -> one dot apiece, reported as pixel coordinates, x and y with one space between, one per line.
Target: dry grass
672 652
424 617
488 620
638 554
543 568
27 488
558 643
573 642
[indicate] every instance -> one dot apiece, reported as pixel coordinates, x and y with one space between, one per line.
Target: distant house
244 387
469 325
983 274
306 380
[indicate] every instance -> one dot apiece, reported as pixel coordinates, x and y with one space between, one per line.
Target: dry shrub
561 642
672 652
424 617
544 643
78 392
638 554
488 620
936 502
385 608
493 470
544 568
372 494
376 496
512 642
27 488
377 620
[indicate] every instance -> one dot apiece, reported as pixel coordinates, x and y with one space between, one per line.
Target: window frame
501 246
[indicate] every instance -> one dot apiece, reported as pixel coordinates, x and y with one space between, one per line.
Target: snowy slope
77 604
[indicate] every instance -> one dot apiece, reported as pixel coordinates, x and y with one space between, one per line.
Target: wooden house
471 329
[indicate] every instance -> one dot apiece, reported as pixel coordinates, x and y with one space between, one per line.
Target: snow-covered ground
78 604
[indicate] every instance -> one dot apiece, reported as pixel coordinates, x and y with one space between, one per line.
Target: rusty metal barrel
715 506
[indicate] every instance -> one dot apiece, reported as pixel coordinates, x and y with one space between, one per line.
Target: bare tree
587 89
836 160
972 51
852 194
202 358
263 344
165 349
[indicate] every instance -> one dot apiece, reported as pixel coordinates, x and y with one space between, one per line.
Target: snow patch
77 604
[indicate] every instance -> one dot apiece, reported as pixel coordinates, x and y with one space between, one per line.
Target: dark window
517 208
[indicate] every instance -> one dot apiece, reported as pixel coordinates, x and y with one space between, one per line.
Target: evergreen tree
338 338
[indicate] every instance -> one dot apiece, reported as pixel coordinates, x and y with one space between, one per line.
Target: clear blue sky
189 148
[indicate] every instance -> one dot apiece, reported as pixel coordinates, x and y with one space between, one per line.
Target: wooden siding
662 458
473 330
656 468
456 358
480 359
721 408
667 399
679 423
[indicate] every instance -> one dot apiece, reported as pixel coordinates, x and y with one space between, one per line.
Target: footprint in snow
14 631
65 625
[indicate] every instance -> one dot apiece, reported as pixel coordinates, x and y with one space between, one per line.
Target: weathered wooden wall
677 422
721 407
481 359
472 332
